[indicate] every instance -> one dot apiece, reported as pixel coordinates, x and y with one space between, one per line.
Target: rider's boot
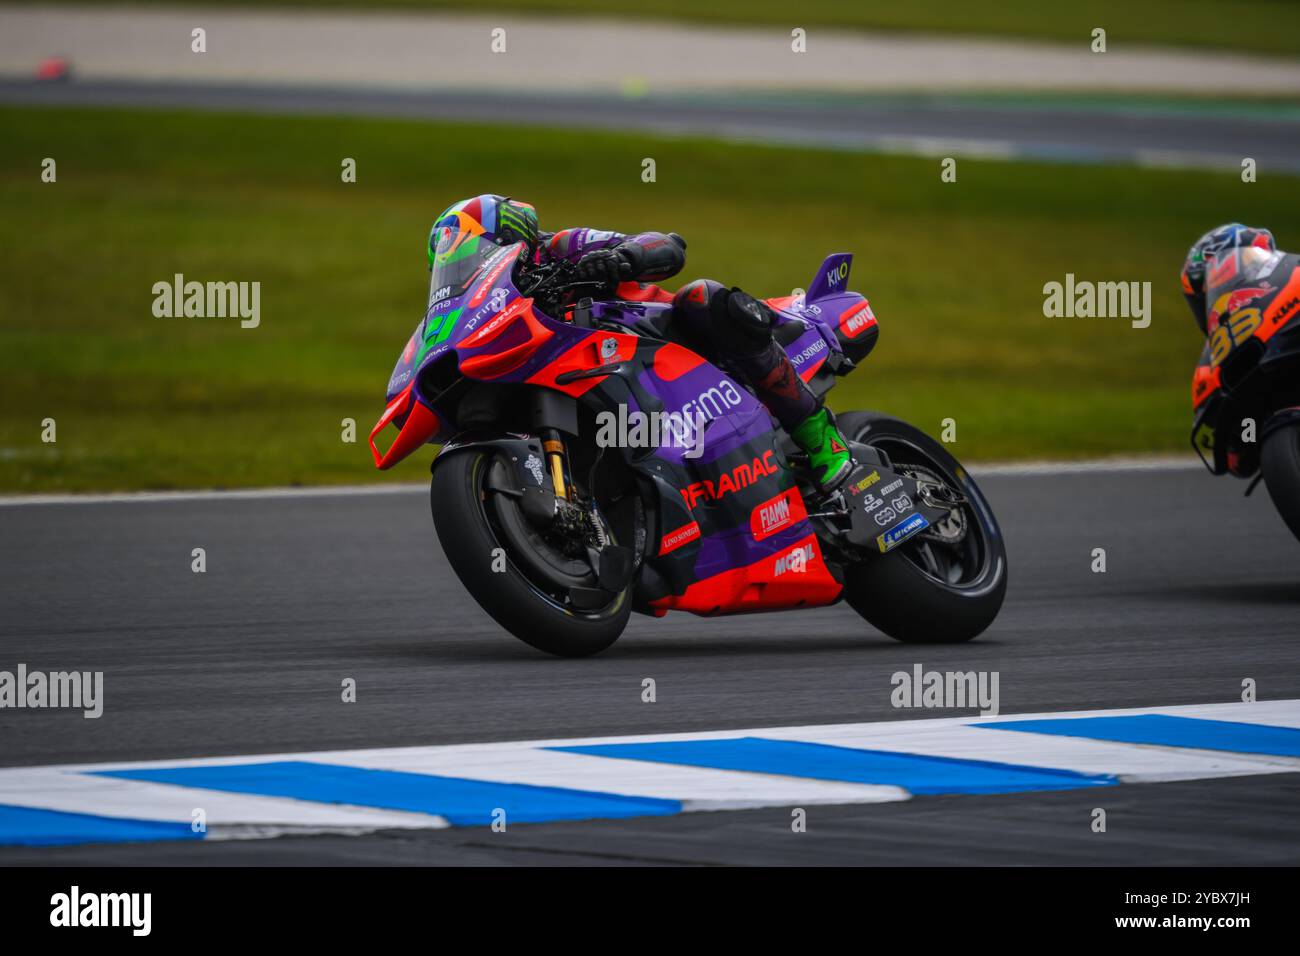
779 387
828 451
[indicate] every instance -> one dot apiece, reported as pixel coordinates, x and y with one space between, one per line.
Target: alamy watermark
951 689
208 300
636 429
1103 300
76 909
82 690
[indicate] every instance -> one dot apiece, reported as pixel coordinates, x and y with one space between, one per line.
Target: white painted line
1131 762
235 494
1093 466
1279 713
999 469
697 788
78 789
228 815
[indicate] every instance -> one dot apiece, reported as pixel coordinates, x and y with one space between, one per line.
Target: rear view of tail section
832 278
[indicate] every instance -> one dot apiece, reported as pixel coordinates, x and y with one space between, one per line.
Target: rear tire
1280 463
892 591
463 514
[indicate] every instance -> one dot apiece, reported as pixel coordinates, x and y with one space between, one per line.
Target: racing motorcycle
1246 392
560 532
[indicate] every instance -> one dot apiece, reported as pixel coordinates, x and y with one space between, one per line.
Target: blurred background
779 133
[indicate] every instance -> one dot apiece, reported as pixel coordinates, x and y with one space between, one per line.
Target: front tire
526 597
1280 464
943 595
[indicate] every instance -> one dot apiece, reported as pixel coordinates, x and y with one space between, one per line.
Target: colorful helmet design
497 219
1217 248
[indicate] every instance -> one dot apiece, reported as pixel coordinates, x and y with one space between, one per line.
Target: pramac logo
742 476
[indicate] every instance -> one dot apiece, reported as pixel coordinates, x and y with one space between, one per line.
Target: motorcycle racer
1238 285
725 324
1225 269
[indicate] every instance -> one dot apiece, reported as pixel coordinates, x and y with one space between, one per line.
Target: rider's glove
604 265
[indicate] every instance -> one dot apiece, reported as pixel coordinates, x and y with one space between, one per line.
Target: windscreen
457 258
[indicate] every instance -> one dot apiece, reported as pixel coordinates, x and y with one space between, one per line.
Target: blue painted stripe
1165 731
27 826
462 802
913 772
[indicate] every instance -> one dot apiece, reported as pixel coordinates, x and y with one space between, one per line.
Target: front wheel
525 577
1280 464
945 585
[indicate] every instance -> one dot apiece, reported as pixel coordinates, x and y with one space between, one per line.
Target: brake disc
937 493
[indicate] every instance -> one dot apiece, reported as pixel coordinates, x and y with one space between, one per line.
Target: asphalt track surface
1201 591
935 126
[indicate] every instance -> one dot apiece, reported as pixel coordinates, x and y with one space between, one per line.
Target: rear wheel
1280 464
946 584
534 582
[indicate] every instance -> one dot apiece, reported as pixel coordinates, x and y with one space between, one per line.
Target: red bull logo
1230 302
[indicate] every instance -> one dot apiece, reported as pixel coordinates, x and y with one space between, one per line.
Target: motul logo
797 561
742 476
857 320
777 514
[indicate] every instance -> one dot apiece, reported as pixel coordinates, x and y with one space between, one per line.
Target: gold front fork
554 449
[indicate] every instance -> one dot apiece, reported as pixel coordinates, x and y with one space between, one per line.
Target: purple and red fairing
732 523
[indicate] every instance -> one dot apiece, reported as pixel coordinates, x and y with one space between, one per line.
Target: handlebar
558 277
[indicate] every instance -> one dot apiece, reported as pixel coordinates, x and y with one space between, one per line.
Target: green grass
954 272
1260 26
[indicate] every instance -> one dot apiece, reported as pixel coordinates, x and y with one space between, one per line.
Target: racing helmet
1216 247
497 219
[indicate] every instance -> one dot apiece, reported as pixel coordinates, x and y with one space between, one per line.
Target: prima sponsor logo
712 403
796 561
495 304
83 690
399 379
76 909
1102 300
209 300
950 689
637 429
683 428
